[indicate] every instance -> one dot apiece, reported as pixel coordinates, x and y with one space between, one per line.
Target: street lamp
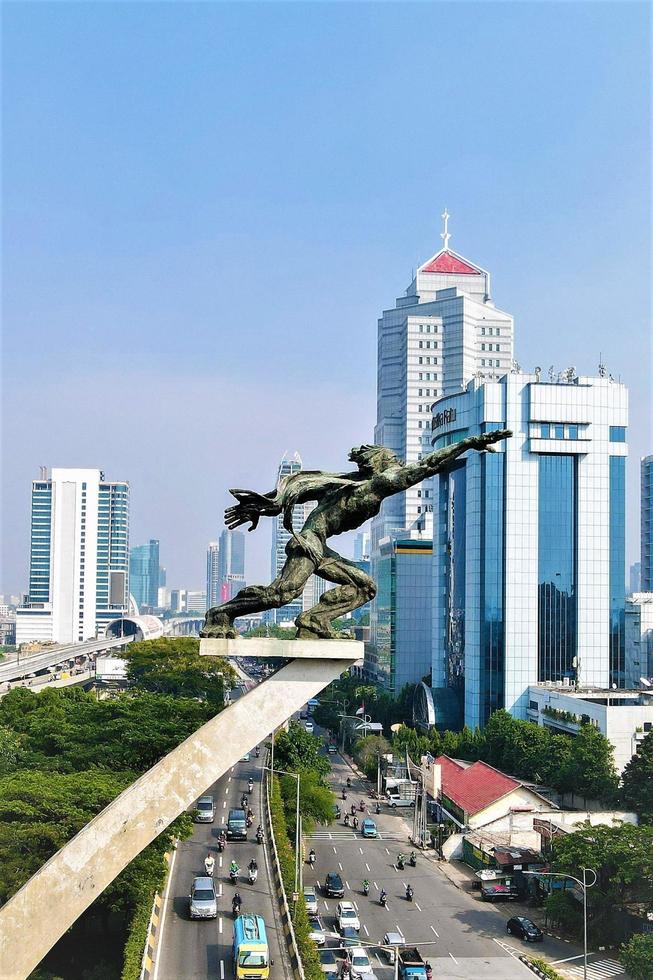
584 884
295 775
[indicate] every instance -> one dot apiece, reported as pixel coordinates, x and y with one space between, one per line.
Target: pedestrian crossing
344 835
598 970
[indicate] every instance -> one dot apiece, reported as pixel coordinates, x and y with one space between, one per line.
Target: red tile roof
448 262
473 788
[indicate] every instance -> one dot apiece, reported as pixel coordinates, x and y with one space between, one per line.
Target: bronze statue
344 502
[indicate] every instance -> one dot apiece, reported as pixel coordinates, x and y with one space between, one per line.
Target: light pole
584 884
295 775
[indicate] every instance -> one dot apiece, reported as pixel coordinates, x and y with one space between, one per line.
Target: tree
637 957
590 768
367 752
315 802
297 751
637 790
173 666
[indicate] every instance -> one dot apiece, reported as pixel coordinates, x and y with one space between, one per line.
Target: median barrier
152 936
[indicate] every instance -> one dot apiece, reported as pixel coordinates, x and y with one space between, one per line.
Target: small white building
639 638
624 717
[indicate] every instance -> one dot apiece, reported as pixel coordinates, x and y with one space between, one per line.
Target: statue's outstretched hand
484 442
250 508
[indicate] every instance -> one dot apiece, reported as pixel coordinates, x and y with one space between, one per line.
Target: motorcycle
250 785
413 859
355 822
311 858
235 907
250 821
352 809
252 875
366 887
361 806
377 808
346 820
409 894
383 899
257 752
348 783
259 836
401 862
233 875
209 865
344 795
221 844
429 972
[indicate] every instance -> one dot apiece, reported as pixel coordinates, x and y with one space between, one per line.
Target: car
395 801
337 812
309 727
205 810
360 961
346 915
332 749
203 900
333 886
349 937
390 940
246 757
328 963
310 900
525 929
368 828
497 892
316 930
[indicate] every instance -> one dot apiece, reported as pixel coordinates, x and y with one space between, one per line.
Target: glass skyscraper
647 524
79 557
529 563
145 574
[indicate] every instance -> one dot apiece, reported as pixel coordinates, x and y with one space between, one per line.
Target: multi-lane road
191 949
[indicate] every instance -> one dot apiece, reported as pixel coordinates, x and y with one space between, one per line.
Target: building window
617 433
533 705
572 432
558 431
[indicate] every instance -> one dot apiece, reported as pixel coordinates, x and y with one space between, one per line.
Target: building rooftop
448 262
475 786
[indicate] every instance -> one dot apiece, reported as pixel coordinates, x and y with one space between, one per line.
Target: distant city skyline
135 245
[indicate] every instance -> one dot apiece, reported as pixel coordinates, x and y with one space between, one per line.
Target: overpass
52 656
183 626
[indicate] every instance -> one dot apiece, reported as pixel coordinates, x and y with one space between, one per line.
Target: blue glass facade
492 632
112 584
617 570
647 524
41 534
456 490
557 594
144 573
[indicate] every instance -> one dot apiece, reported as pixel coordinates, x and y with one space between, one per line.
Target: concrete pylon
34 919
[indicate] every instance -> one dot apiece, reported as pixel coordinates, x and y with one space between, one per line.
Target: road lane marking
220 924
334 850
221 969
159 948
433 930
367 866
340 866
326 906
365 929
347 884
375 885
224 804
220 890
220 862
387 851
360 849
229 779
418 907
453 958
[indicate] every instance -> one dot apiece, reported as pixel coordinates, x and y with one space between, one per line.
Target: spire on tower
444 235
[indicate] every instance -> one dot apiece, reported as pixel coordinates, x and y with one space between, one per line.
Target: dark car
333 886
349 937
522 927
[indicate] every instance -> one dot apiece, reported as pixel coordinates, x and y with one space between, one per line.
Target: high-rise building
213 574
399 650
647 524
163 576
196 602
529 544
639 638
144 574
79 557
280 537
232 553
635 577
178 600
362 546
444 331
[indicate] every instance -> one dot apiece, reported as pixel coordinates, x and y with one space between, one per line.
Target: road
468 936
189 950
52 656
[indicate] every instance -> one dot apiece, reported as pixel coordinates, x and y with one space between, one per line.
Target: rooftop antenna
444 235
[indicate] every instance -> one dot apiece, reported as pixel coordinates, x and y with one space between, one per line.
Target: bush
544 968
637 957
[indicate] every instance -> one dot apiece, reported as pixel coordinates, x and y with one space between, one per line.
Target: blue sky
206 207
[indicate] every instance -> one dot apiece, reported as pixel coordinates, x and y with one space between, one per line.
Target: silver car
203 900
205 810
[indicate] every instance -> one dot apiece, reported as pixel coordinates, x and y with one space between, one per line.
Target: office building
280 537
647 524
529 543
442 332
639 639
144 574
399 650
232 553
362 543
635 577
163 576
213 574
178 600
196 602
79 557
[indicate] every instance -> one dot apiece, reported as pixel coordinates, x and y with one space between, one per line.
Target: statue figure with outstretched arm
344 501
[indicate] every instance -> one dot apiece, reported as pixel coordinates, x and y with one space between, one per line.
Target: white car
347 915
310 899
316 930
360 961
309 727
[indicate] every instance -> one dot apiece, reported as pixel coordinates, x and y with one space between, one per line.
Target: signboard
111 669
444 418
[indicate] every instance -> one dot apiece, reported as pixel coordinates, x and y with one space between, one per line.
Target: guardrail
286 920
152 937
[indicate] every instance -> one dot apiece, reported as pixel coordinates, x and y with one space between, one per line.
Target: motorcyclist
401 861
366 887
361 806
209 864
355 822
413 859
348 782
344 795
429 971
244 801
383 897
257 752
352 809
252 866
259 835
377 808
236 903
409 893
250 785
311 856
346 821
233 870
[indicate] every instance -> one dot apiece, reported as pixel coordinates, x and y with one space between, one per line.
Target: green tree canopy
297 751
637 957
172 665
637 789
368 750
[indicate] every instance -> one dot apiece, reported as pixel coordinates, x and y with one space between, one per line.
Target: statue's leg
355 588
290 582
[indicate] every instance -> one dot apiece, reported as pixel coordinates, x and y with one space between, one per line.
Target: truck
400 792
411 964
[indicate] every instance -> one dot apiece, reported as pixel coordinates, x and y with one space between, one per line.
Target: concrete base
271 646
49 903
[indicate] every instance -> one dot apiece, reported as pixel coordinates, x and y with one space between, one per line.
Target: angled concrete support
50 902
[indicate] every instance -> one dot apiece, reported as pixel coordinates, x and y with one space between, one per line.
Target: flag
361 710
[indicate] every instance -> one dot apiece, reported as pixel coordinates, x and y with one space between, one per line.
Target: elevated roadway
51 656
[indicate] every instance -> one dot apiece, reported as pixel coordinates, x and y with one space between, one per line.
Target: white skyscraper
444 331
213 574
79 557
280 537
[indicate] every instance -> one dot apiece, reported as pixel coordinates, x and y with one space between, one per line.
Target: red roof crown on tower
447 262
